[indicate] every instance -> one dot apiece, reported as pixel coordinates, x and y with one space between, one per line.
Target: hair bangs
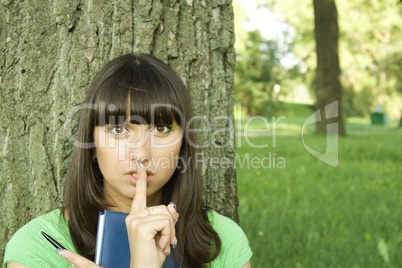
111 104
139 97
154 106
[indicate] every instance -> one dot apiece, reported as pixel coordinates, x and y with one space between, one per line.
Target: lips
132 176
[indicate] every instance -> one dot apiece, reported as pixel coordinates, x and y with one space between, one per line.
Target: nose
144 156
140 150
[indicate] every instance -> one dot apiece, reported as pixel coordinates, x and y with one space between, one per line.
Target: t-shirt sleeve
235 249
22 249
29 248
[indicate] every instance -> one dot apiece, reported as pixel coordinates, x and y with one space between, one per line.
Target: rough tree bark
328 84
49 52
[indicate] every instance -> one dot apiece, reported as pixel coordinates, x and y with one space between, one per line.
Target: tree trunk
49 52
328 85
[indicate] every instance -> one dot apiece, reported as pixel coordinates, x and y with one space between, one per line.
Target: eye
118 130
161 130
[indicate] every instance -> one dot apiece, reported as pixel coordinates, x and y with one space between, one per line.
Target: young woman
132 154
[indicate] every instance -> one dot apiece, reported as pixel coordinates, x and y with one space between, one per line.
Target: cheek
108 159
175 153
113 150
175 148
166 158
103 159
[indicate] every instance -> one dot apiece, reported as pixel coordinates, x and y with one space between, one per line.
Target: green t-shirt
29 248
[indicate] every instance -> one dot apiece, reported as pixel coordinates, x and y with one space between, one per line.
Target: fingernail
174 205
138 165
175 242
61 252
168 251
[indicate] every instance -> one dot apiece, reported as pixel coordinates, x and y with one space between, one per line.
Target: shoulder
235 249
28 247
222 224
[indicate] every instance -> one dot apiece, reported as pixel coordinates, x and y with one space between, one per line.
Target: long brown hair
146 81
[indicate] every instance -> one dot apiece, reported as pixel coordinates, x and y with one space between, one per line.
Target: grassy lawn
300 212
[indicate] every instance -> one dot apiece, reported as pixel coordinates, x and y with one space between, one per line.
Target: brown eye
161 130
117 130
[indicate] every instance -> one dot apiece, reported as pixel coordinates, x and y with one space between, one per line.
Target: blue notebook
112 247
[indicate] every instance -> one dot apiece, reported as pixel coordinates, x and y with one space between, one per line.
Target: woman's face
118 147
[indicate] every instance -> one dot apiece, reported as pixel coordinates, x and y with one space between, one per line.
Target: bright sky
270 25
263 19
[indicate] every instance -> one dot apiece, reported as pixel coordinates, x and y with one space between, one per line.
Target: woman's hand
151 231
76 260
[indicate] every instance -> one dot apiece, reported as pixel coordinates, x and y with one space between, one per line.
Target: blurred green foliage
370 55
309 214
259 71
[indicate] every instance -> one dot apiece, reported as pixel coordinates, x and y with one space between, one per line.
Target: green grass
310 214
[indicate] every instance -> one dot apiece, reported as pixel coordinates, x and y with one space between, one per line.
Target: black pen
52 241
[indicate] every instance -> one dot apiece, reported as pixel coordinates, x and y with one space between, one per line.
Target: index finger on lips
140 198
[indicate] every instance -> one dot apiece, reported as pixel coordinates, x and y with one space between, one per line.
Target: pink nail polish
61 252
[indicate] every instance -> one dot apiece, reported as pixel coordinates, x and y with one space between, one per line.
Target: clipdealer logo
264 128
330 156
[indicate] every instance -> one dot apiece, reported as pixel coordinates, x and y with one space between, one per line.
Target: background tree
369 51
328 84
49 52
